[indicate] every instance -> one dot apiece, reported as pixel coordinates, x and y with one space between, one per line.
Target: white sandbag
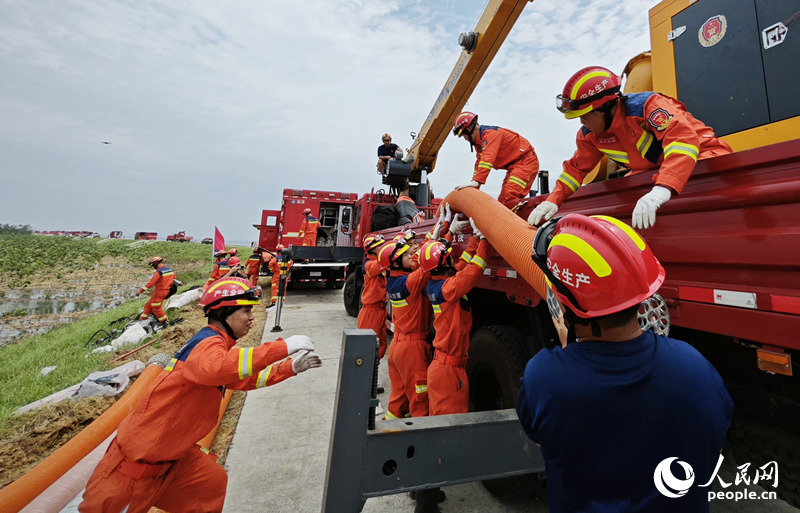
132 334
132 368
110 382
184 299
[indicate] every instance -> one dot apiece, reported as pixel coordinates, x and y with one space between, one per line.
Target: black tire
352 296
497 361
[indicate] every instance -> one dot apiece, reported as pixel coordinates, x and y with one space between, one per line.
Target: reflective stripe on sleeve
478 261
685 149
245 362
263 377
570 182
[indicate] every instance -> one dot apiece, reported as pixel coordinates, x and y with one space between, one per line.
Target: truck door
344 226
269 228
738 47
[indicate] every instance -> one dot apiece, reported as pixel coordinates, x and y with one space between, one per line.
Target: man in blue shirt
608 408
386 152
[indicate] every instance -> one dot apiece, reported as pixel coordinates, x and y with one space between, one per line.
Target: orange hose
207 440
509 234
16 495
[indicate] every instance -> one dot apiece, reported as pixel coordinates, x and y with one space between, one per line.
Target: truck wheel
496 364
352 296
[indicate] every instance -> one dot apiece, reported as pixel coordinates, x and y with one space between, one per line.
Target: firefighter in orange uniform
254 263
220 268
410 353
308 229
155 461
499 148
448 390
275 268
160 283
372 315
643 132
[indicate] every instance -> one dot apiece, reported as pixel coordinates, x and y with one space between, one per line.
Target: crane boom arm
494 25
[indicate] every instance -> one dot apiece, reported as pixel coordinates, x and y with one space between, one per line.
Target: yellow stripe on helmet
625 228
583 249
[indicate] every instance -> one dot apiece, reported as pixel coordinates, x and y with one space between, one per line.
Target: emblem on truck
713 30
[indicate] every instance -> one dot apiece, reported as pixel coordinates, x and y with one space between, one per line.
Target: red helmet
587 90
233 251
306 211
234 261
390 253
463 121
155 260
230 292
373 241
433 254
386 137
596 265
220 253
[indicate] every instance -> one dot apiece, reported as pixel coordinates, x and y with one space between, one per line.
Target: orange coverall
308 230
162 280
410 353
501 148
275 268
650 132
254 267
448 388
372 315
154 459
219 270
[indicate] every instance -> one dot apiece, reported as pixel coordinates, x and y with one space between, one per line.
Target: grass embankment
22 257
32 259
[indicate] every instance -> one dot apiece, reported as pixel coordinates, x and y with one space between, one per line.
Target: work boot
426 501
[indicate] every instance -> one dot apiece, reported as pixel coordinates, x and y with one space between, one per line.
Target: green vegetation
15 229
23 255
65 347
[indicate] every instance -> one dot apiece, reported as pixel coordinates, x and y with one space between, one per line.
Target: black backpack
385 216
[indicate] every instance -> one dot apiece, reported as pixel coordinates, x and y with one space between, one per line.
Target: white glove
299 343
544 210
475 231
459 226
644 214
445 214
472 183
305 361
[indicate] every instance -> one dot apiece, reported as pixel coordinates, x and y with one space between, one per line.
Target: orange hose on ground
16 495
509 234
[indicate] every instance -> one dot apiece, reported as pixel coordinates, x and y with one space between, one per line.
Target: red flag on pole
219 242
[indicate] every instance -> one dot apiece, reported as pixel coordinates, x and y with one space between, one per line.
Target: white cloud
212 108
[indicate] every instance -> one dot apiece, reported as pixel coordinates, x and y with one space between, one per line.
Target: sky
212 108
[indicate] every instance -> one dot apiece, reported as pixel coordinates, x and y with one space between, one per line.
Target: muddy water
49 302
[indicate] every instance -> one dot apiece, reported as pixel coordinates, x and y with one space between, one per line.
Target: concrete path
279 454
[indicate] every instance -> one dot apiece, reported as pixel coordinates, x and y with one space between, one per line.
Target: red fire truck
729 242
145 236
344 220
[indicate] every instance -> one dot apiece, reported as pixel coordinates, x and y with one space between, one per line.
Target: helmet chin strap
570 319
227 327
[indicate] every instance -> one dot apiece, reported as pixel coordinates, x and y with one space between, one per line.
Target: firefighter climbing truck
729 242
344 219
